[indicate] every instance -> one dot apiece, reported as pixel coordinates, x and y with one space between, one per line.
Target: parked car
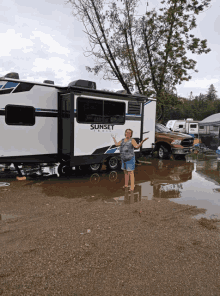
168 142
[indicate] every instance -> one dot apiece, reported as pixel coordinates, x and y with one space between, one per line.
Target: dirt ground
62 243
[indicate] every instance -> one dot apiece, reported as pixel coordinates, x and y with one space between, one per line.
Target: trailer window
100 111
193 126
180 126
114 112
201 127
19 115
89 110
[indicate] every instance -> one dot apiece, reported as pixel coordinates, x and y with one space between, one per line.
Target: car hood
174 135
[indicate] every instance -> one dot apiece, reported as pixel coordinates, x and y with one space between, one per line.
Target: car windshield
161 128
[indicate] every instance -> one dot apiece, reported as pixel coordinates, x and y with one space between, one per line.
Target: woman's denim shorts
128 165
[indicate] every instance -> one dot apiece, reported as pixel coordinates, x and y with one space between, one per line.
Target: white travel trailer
72 126
188 126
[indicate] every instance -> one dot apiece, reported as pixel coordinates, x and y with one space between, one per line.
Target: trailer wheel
112 163
64 170
95 167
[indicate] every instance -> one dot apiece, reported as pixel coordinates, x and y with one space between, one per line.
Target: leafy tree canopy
147 52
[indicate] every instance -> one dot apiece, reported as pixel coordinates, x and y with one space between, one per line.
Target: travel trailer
188 126
72 125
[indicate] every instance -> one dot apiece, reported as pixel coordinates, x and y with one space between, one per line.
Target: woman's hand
144 140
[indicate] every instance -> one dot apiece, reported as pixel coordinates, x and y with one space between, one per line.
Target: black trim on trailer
23 86
37 113
59 127
47 158
142 124
89 159
105 94
72 125
103 149
45 114
6 91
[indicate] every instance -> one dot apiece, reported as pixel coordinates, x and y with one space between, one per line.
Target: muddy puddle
192 181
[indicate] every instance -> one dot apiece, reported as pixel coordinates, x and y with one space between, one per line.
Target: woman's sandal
125 187
131 190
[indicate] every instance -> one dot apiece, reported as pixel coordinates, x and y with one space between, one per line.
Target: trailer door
64 126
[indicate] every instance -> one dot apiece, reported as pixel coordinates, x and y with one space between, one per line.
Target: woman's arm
137 146
116 143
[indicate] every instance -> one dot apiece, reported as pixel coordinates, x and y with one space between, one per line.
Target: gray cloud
42 40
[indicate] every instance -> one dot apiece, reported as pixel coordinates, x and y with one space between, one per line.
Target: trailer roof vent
189 119
83 83
48 81
12 75
123 91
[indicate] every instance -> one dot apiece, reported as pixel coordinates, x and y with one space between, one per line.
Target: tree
191 97
148 51
212 93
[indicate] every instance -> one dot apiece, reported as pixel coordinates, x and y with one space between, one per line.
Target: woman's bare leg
132 179
126 178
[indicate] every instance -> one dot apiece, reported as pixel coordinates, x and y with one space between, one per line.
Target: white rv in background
72 126
188 126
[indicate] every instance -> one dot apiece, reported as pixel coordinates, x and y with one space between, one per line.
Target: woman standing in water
127 146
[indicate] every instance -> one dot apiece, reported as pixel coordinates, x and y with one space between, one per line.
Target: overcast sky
42 40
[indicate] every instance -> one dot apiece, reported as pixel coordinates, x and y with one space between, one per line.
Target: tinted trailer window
100 111
19 115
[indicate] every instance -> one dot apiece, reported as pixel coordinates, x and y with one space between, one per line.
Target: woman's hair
128 129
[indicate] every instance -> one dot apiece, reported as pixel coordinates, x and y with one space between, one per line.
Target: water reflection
161 178
210 170
167 177
133 196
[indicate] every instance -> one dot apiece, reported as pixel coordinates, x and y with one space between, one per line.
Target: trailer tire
95 167
90 167
64 170
113 163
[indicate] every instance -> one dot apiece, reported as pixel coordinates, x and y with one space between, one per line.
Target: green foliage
146 52
198 108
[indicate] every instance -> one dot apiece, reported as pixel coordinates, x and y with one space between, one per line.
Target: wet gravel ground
57 245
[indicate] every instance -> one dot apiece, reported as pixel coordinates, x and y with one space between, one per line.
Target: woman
127 146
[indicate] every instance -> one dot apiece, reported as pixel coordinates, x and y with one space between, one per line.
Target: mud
86 235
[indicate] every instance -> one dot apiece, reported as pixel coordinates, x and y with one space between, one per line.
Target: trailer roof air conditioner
12 75
83 83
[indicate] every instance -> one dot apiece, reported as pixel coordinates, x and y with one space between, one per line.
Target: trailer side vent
134 107
12 75
83 83
48 81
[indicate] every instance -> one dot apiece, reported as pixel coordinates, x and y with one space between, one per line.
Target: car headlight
176 142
